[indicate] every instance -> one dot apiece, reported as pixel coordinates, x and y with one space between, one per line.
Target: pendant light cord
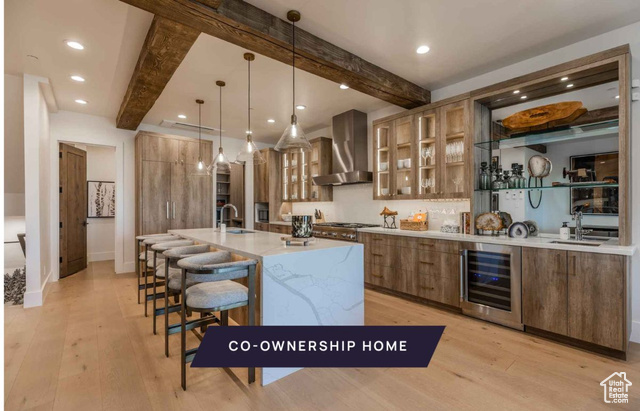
220 116
293 64
249 99
199 133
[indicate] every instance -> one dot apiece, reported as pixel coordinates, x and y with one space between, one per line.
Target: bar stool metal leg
183 332
251 306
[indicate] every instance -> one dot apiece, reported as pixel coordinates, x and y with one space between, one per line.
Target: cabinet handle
427 244
427 288
426 262
167 210
377 239
376 255
573 265
173 211
377 275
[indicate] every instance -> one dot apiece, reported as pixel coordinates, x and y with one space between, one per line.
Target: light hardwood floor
90 347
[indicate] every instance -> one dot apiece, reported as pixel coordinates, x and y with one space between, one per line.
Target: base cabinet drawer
280 229
387 277
261 226
441 289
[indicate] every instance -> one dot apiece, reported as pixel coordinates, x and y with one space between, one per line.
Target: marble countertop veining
256 244
610 246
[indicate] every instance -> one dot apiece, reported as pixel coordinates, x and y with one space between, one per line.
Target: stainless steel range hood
350 153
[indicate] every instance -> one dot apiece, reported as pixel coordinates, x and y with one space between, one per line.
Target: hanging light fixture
293 139
201 168
221 163
249 152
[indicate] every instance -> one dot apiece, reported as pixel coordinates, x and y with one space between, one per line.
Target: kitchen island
320 284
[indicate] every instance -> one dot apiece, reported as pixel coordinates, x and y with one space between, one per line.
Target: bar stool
150 263
159 266
141 257
215 292
172 275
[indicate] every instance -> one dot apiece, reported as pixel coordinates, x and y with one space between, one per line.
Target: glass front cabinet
423 155
298 170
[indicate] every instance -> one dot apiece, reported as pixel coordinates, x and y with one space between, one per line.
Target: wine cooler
491 283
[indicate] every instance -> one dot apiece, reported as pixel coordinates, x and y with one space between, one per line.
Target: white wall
626 35
93 130
36 171
101 232
13 146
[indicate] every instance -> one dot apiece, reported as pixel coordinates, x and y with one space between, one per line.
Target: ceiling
376 30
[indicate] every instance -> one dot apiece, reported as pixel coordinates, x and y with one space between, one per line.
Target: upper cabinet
423 155
298 170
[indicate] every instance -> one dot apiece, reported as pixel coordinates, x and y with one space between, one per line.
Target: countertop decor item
518 230
286 217
414 225
304 242
301 226
539 166
450 226
389 218
489 222
506 218
533 227
542 115
465 222
319 215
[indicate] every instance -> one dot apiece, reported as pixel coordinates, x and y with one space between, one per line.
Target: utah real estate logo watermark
616 388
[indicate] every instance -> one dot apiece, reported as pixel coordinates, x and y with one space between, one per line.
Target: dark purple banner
318 346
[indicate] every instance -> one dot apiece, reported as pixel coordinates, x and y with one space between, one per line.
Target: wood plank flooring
91 348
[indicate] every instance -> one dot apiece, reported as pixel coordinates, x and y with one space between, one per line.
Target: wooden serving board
542 115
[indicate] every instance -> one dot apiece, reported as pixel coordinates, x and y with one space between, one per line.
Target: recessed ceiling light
516 91
344 86
79 79
569 85
301 107
271 120
80 101
182 116
564 79
423 50
74 45
617 96
523 97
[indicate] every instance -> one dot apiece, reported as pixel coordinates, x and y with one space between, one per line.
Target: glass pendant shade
293 139
250 153
221 163
200 170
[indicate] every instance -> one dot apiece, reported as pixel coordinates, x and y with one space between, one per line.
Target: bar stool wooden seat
158 264
173 274
142 258
215 292
150 263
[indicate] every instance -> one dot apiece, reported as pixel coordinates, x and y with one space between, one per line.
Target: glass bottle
513 180
505 179
485 181
497 183
523 180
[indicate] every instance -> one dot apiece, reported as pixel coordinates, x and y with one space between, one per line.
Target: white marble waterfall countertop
610 246
255 244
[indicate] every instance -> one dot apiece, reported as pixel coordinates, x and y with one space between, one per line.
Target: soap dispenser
565 231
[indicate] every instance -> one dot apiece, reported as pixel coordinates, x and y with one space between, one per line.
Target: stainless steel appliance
350 156
339 231
262 212
491 283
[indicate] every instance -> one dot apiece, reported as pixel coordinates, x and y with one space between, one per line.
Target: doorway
73 209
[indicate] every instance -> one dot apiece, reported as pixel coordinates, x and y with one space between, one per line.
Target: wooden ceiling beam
249 27
165 47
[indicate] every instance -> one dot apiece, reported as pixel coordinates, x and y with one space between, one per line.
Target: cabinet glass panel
304 175
294 176
454 151
427 152
403 165
382 158
285 177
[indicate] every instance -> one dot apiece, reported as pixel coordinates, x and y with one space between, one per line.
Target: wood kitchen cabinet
280 229
267 184
168 196
423 154
298 170
575 294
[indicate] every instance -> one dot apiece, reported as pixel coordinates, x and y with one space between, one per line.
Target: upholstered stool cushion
160 263
144 237
198 265
160 239
172 272
182 252
161 247
176 284
216 294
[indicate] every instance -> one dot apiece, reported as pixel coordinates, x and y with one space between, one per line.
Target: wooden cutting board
542 115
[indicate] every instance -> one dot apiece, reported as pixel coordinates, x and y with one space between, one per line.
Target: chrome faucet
222 212
577 217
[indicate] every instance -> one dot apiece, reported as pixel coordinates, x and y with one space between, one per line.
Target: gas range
339 231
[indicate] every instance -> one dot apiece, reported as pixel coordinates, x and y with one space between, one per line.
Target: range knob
334 234
324 233
352 236
344 235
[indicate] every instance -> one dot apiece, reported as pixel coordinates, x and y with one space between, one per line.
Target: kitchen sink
590 243
240 231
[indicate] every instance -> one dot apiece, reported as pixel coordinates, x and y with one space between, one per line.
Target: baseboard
102 256
36 298
635 331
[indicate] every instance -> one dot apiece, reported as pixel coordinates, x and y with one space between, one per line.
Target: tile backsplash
355 203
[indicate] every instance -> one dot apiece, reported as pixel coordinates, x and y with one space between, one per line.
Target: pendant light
293 139
201 168
221 163
249 153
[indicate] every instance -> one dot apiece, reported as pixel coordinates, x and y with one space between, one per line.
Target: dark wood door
156 197
544 289
596 299
73 210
